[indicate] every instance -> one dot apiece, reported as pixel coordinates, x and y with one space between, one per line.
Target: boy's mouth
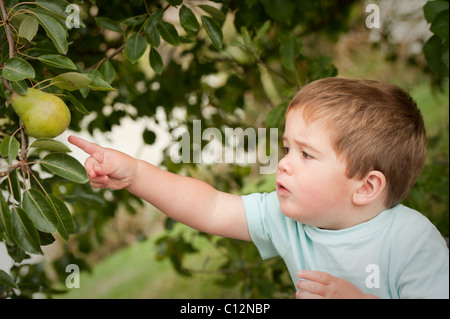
281 190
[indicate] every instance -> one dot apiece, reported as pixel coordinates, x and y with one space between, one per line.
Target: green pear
43 114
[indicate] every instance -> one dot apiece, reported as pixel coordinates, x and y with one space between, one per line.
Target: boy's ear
371 187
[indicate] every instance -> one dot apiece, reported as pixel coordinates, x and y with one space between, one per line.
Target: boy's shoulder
413 227
408 217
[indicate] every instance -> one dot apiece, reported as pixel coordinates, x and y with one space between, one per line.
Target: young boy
354 149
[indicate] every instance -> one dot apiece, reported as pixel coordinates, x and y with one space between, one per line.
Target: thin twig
9 170
23 148
9 35
259 61
5 82
109 57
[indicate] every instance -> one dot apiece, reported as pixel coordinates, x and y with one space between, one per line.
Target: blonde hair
373 125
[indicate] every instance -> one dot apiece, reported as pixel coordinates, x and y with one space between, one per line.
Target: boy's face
311 184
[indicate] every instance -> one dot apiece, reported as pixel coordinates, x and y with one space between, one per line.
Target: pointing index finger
91 148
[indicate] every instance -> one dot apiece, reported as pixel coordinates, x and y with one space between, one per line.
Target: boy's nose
284 166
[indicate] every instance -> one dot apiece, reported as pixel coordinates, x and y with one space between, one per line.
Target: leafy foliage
100 64
436 48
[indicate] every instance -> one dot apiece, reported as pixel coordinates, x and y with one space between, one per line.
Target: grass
134 272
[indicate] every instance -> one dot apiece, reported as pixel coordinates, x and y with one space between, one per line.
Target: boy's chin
291 211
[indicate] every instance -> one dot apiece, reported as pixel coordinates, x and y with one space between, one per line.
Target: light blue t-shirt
397 254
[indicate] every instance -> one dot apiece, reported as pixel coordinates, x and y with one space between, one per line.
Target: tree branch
5 82
109 57
270 69
9 170
12 49
9 34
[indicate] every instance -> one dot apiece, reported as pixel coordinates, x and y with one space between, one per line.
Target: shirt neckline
365 229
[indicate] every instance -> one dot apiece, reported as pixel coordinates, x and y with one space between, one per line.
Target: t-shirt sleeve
259 208
426 270
424 260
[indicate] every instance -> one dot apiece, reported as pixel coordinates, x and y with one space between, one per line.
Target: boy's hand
321 285
106 168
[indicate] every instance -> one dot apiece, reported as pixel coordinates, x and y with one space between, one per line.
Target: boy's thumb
103 168
98 170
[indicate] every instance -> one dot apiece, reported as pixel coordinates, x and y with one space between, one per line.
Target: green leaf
214 12
5 221
432 50
108 72
46 238
6 280
49 144
65 221
20 87
263 30
39 211
54 31
71 81
156 61
151 28
77 104
214 31
175 2
9 148
24 232
134 21
135 47
28 28
65 166
152 36
290 49
57 7
16 69
57 61
432 8
322 67
281 11
188 20
168 33
276 115
15 188
108 23
98 83
440 25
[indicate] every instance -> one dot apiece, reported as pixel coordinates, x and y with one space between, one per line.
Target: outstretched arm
187 200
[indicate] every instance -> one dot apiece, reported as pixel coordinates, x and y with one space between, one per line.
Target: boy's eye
306 155
286 150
